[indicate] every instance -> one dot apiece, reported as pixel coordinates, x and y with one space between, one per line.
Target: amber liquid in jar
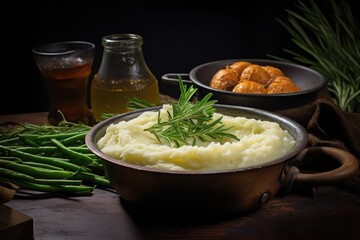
114 100
67 89
122 75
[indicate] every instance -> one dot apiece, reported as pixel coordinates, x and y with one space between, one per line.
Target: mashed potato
260 141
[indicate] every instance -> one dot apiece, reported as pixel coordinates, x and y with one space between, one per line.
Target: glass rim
122 37
122 40
45 49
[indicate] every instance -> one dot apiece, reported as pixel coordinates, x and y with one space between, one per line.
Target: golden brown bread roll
273 72
239 66
282 85
249 87
245 77
225 79
255 73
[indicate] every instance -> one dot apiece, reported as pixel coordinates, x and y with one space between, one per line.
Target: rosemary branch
136 103
330 41
189 121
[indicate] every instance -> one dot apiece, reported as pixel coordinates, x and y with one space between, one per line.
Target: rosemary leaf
329 40
136 103
189 122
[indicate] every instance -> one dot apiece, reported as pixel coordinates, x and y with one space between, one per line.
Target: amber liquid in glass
114 100
67 92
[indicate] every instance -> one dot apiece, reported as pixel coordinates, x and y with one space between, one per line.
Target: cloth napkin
328 125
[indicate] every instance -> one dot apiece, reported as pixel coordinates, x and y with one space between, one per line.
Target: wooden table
330 213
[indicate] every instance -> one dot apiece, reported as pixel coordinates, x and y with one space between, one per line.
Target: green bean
72 139
14 159
36 171
38 137
93 157
74 189
21 176
58 181
9 140
93 178
59 162
42 165
96 167
80 149
30 142
54 174
38 150
85 160
50 156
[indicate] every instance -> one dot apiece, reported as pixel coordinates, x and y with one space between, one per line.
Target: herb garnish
133 103
330 42
189 121
136 103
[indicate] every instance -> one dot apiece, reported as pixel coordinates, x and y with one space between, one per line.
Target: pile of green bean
49 158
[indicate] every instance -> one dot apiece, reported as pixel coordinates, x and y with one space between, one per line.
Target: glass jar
123 74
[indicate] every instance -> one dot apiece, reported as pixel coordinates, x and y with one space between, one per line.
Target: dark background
177 38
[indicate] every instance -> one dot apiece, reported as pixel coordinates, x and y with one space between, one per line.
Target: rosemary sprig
330 41
189 121
136 103
133 103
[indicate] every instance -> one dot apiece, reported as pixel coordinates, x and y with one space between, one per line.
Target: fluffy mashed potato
260 142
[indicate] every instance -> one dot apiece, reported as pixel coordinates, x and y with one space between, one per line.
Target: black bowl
308 80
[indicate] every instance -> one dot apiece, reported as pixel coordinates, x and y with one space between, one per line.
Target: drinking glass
65 68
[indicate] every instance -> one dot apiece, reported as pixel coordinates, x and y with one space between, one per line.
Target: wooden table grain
329 213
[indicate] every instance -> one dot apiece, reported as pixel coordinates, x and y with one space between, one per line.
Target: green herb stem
189 121
329 39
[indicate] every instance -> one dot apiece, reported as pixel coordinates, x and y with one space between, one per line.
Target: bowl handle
173 78
292 176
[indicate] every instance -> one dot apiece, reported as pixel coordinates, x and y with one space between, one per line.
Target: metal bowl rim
101 126
319 85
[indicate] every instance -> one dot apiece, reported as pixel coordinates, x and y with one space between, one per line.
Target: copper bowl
203 193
